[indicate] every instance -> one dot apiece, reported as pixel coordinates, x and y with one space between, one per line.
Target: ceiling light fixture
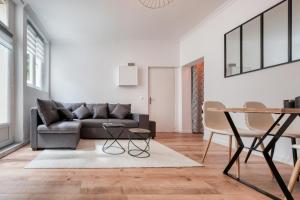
155 4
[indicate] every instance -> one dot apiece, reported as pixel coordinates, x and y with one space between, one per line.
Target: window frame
45 71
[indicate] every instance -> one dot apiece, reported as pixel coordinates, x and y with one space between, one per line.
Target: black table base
138 151
113 143
268 158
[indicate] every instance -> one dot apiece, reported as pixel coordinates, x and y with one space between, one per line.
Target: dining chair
216 123
262 122
296 171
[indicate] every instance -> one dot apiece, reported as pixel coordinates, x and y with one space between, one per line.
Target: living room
125 99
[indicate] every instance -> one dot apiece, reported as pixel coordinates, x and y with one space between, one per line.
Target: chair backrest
214 120
260 121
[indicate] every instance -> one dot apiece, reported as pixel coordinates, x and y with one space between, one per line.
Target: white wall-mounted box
127 76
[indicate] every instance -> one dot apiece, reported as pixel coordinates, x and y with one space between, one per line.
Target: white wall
270 86
85 72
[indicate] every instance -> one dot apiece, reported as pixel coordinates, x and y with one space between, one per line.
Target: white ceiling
102 20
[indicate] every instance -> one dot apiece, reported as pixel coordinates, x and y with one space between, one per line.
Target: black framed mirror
295 30
251 45
276 35
233 49
269 39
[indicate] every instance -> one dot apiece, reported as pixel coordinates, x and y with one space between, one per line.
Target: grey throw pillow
72 106
58 104
82 112
92 105
47 111
65 114
100 112
120 112
111 108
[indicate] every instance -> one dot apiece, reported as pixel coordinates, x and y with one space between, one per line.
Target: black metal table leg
273 151
269 160
267 157
113 141
250 150
138 151
239 141
268 133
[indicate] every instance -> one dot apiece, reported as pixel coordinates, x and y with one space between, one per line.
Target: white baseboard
186 131
11 148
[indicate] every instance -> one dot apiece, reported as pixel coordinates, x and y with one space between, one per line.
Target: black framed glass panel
233 51
295 30
276 35
251 41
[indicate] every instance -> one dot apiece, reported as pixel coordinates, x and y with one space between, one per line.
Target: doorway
162 98
193 96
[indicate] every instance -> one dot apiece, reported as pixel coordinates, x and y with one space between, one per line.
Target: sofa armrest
142 119
34 122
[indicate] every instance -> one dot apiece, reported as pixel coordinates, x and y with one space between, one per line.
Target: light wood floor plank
198 183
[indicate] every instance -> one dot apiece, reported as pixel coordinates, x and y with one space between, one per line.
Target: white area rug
93 157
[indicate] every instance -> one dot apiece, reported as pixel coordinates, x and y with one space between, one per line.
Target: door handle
150 100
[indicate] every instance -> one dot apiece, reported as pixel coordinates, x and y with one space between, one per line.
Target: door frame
148 88
183 109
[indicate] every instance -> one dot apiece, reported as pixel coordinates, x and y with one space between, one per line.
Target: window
4 84
6 90
4 12
35 58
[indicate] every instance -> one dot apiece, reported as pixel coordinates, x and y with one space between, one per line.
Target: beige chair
263 122
296 171
217 123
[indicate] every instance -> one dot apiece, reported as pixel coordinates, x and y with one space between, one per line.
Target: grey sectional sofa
66 134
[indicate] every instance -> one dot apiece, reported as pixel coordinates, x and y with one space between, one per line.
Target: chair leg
250 150
238 170
207 147
295 156
294 176
230 147
262 146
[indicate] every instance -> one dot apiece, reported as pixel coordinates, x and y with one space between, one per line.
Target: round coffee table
136 150
113 138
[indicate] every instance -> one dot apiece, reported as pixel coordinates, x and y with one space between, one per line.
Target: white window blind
35 58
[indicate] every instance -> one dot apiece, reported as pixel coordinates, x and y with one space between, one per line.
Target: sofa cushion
91 106
129 123
47 111
93 123
111 108
72 106
120 112
61 127
100 112
82 112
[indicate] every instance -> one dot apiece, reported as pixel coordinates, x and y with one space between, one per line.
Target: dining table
285 117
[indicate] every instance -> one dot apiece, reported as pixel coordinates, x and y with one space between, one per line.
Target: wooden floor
128 184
